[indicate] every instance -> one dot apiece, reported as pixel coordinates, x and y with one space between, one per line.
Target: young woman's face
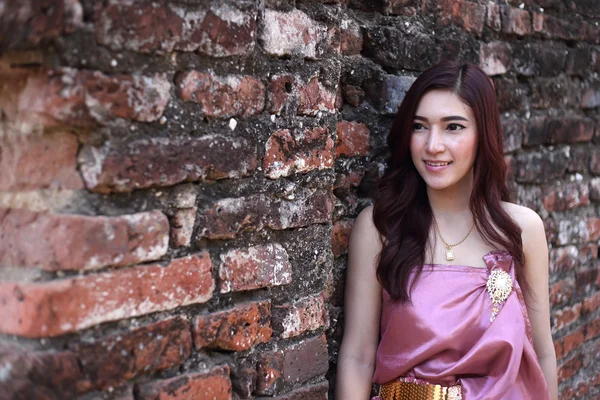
444 139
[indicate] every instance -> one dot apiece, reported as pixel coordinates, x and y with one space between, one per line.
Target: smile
438 164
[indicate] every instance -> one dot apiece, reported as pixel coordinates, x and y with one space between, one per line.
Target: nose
434 143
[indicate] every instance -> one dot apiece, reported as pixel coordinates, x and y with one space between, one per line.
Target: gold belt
407 388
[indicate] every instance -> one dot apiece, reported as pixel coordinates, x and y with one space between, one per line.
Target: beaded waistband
409 388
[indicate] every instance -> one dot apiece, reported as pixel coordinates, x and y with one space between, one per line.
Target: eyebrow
445 119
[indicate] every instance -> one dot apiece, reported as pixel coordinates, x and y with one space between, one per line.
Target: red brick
296 363
238 329
217 30
292 33
515 21
556 28
340 236
468 15
315 98
30 22
399 7
542 166
353 95
227 217
351 37
591 303
83 98
595 161
592 329
493 16
222 96
286 154
300 316
561 293
182 226
572 341
158 162
566 196
280 91
39 161
558 130
57 242
41 309
565 316
214 385
149 348
593 228
595 189
353 139
495 57
31 374
570 367
316 391
243 378
254 267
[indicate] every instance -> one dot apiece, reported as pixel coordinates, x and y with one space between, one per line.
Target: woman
447 282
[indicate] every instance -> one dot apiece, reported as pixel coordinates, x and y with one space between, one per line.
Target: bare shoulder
528 220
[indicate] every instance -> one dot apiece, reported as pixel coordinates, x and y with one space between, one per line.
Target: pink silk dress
446 336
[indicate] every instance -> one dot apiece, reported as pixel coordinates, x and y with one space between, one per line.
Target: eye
418 127
455 127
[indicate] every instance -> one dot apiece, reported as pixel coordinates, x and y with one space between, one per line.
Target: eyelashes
451 127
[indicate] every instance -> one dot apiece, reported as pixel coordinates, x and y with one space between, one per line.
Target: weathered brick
570 367
214 29
531 59
300 316
595 161
316 98
595 189
340 236
56 242
39 374
570 342
280 91
579 61
586 280
561 292
515 21
353 95
157 162
551 27
591 303
565 316
591 97
558 130
387 94
351 37
213 384
353 139
592 330
511 95
593 228
40 309
182 226
254 267
399 7
541 167
513 130
493 16
564 258
556 92
82 98
238 329
228 216
580 158
563 197
286 154
110 360
315 391
293 364
243 378
222 96
576 229
39 161
495 57
292 33
27 23
468 15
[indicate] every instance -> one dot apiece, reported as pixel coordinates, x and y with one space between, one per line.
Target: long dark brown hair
402 213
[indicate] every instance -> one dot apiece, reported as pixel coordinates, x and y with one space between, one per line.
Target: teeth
436 164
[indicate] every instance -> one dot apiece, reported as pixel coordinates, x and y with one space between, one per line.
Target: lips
437 163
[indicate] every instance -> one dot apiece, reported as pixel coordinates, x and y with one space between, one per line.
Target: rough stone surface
300 316
213 384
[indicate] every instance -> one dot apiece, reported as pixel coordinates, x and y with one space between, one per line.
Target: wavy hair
402 213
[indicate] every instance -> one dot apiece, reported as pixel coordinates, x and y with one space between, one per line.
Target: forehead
437 104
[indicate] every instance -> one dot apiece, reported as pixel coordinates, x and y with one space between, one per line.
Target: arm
535 248
362 309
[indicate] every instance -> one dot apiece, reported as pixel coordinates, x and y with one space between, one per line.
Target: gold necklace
449 251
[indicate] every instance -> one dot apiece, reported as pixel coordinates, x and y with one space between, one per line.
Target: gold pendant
449 254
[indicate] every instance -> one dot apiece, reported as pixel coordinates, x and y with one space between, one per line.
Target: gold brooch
499 285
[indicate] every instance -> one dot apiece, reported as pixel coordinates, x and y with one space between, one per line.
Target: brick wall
179 179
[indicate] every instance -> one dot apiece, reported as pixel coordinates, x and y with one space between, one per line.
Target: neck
452 202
